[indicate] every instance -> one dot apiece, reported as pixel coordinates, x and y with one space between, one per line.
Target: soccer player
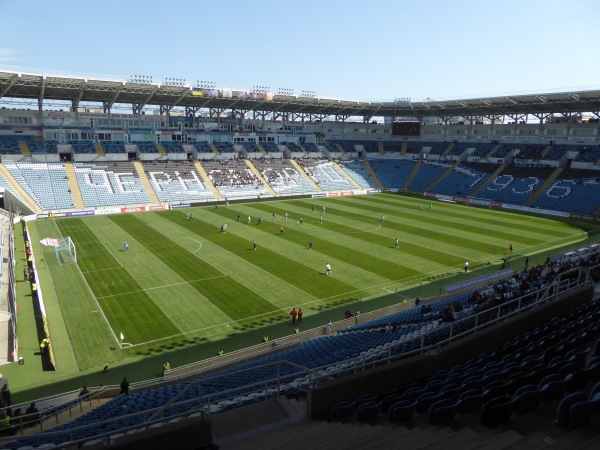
321 219
301 221
430 205
227 204
510 248
397 244
281 231
273 215
249 221
191 216
239 217
323 209
125 245
286 216
260 220
253 244
382 219
313 209
328 269
466 266
310 244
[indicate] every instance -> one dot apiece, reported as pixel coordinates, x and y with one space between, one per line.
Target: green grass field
183 282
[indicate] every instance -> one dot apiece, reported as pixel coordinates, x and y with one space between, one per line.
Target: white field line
94 297
111 253
101 270
161 287
193 253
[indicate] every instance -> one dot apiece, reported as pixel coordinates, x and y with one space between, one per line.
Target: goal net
66 253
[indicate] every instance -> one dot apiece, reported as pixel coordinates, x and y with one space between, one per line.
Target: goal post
66 253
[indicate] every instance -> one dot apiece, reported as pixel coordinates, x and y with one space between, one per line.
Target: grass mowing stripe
362 260
455 237
290 271
458 227
368 262
424 251
503 219
231 297
137 316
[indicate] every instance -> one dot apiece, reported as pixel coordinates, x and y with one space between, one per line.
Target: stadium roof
108 93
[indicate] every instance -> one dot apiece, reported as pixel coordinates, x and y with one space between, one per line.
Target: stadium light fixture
261 89
173 82
308 94
285 92
402 100
140 79
206 85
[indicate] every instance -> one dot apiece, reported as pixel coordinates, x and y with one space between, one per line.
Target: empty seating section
555 153
234 179
82 146
428 173
46 183
503 151
292 147
224 147
113 147
10 144
283 177
203 147
5 184
36 145
311 148
177 181
326 175
571 195
511 189
173 146
250 147
145 146
587 154
270 147
392 146
371 146
392 173
435 148
359 173
110 184
347 145
481 150
461 181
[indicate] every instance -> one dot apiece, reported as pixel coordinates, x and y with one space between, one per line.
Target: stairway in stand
305 175
146 183
544 186
255 171
207 180
372 173
412 174
99 149
24 149
74 186
27 200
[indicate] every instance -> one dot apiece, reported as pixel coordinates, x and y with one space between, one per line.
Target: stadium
404 253
174 245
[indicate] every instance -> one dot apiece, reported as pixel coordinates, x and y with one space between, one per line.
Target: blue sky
365 50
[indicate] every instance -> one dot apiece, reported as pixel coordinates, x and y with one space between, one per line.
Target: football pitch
185 281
